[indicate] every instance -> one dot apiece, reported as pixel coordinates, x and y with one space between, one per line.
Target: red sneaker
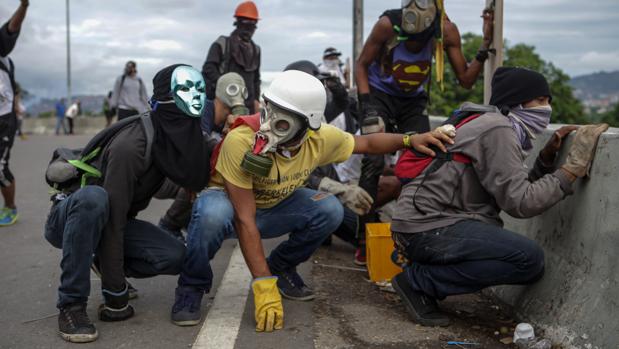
360 256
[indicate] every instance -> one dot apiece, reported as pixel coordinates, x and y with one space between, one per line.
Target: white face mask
331 64
278 126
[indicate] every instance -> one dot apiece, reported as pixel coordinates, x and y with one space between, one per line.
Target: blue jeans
59 124
308 215
469 256
75 225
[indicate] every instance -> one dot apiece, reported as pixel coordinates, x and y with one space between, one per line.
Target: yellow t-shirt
322 147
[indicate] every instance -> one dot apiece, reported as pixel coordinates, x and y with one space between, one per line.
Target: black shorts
8 127
402 114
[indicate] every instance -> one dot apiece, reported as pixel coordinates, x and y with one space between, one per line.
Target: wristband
364 98
406 140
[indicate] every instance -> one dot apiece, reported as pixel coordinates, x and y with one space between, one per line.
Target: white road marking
223 320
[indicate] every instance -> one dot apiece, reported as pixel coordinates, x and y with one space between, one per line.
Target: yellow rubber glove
269 311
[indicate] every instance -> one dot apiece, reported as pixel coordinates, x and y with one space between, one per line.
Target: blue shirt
60 109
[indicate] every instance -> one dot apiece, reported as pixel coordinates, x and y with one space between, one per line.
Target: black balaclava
179 150
242 48
514 86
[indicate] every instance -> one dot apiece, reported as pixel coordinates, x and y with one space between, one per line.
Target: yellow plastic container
379 247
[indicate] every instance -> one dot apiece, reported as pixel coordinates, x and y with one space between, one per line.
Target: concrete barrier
576 303
81 125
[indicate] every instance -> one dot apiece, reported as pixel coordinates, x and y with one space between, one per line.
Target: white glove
350 195
448 130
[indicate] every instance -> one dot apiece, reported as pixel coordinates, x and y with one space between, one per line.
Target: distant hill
90 104
596 85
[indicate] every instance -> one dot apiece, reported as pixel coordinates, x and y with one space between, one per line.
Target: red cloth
253 121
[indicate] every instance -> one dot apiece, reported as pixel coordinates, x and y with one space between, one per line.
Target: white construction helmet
300 93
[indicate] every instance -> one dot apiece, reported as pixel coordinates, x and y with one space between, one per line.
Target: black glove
371 120
116 306
337 88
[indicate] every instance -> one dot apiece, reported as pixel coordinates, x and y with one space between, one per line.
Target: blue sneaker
8 216
187 303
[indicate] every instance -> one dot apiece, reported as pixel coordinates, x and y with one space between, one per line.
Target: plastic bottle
524 335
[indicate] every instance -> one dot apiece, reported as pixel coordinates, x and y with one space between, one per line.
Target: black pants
400 115
8 125
70 125
125 113
467 257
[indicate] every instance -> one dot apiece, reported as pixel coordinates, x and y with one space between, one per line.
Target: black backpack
70 169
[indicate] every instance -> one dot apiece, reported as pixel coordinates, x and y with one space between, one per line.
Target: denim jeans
75 225
469 256
60 123
308 215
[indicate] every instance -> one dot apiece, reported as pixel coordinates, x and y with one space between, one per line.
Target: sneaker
133 292
360 258
74 324
187 303
8 216
422 308
291 285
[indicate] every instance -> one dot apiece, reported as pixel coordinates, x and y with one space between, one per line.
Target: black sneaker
74 324
291 285
422 308
187 303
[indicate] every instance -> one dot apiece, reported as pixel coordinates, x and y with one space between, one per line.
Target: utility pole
68 56
494 61
357 35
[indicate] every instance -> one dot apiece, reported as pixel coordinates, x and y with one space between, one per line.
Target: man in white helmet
258 192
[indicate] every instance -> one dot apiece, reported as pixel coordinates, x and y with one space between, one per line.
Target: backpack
70 169
222 41
413 164
253 121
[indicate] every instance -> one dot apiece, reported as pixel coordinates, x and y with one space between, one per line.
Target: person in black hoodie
99 218
237 53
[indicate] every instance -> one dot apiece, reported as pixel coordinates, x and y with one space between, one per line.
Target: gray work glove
350 195
583 148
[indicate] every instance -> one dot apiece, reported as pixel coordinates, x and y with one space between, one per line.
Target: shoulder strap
122 82
222 41
9 70
149 131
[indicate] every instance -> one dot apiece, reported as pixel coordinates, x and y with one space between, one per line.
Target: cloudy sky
105 34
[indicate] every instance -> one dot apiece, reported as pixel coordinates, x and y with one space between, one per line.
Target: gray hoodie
495 180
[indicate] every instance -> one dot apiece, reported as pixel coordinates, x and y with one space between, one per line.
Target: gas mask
418 15
188 90
277 127
232 92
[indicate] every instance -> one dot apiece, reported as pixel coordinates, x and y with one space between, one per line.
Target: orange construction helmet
247 9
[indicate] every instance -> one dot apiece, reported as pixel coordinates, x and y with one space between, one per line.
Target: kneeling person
249 200
447 222
100 217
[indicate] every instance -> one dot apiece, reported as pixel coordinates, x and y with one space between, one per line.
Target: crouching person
257 192
99 218
447 221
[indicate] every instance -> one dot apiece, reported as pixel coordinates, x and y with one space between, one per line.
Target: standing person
129 96
9 33
100 217
237 53
73 111
60 109
108 111
393 73
253 199
331 64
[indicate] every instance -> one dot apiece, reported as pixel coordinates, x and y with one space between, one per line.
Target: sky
577 38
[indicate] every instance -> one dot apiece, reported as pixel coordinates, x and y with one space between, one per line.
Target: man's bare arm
245 224
18 17
381 33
